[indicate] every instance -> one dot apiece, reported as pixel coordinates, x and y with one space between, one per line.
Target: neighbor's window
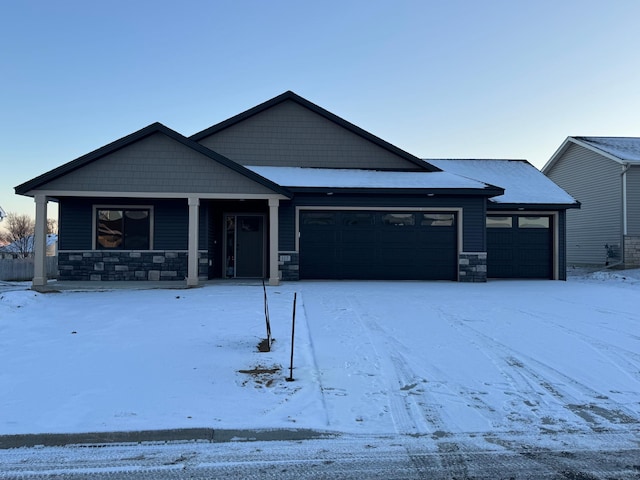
123 229
398 219
533 222
437 219
499 222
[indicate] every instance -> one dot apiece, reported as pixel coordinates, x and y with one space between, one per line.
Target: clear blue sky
438 78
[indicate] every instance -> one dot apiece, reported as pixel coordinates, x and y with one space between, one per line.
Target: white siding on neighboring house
595 181
633 200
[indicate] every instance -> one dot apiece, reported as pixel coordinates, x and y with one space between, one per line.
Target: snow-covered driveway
503 357
500 362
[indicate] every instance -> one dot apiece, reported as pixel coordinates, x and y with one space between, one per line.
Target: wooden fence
21 269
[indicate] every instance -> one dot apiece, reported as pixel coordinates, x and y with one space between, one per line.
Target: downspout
625 168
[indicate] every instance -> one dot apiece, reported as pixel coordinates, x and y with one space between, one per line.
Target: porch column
192 257
40 243
274 278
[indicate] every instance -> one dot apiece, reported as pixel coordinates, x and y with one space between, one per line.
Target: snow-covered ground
548 362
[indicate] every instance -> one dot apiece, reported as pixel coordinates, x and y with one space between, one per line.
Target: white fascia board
574 140
204 196
598 151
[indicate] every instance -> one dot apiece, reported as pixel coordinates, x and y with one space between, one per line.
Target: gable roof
523 183
622 150
358 179
33 184
291 96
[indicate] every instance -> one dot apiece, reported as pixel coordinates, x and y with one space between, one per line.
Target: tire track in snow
406 414
412 409
612 352
597 416
314 360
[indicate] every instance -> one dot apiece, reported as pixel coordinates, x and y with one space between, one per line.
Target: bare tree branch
19 230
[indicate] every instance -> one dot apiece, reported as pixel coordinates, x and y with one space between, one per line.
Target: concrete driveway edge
157 436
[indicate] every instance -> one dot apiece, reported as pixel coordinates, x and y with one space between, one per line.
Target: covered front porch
190 239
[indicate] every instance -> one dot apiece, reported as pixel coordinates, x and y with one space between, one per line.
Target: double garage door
519 246
382 245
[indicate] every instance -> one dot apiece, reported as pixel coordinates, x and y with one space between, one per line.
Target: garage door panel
380 245
520 246
398 236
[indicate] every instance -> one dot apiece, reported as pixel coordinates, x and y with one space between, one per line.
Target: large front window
123 228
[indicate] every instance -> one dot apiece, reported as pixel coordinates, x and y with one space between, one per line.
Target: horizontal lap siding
473 212
74 224
286 226
171 225
171 222
595 181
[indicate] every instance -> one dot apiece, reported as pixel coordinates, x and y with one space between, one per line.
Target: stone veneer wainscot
117 265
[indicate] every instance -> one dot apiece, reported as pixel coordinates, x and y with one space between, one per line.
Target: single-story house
604 174
285 191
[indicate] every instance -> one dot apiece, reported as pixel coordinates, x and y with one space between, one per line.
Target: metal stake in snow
293 333
266 318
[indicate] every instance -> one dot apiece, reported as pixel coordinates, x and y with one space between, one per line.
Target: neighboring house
26 245
288 190
603 173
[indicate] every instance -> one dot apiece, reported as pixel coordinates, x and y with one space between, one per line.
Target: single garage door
378 245
519 246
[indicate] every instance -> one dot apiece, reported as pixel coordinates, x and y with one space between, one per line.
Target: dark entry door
245 246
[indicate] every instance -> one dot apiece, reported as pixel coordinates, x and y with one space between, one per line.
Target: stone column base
472 267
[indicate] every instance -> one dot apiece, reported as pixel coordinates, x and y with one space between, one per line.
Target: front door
244 248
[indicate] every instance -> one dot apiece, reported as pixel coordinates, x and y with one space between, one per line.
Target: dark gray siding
286 226
289 134
156 164
562 245
595 181
474 234
171 225
74 224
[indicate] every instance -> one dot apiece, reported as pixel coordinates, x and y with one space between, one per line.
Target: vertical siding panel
595 181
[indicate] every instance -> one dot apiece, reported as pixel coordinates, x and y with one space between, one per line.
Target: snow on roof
624 148
353 178
522 182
